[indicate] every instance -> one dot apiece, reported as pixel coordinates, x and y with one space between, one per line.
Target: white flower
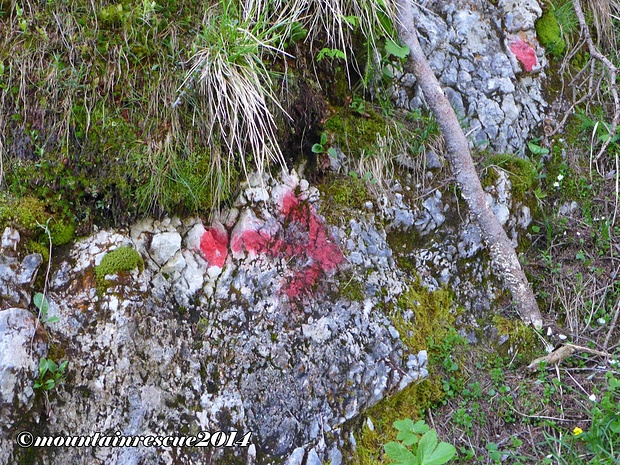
560 177
592 397
556 184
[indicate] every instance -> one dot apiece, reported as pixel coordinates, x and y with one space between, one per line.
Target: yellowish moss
432 317
411 402
424 319
550 34
523 343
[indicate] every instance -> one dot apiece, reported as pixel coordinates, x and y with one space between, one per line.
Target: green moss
522 340
352 289
123 259
356 134
29 213
113 15
350 192
62 232
411 402
432 316
33 246
550 33
431 328
522 173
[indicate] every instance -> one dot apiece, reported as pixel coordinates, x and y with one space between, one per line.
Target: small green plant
50 374
41 302
599 443
321 147
418 445
330 53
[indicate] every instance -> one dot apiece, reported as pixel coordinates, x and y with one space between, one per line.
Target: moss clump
352 289
550 33
522 173
522 340
432 319
408 403
123 259
429 327
348 191
29 212
356 134
30 216
62 232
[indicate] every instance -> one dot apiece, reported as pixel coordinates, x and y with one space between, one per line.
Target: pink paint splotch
305 240
214 245
298 236
253 241
524 53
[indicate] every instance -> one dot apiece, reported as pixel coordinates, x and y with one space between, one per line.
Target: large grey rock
498 97
23 342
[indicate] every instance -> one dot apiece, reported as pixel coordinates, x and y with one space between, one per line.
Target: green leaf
323 139
49 384
427 445
399 453
40 301
420 427
387 72
332 152
63 366
43 366
392 48
51 366
317 148
442 454
404 425
537 149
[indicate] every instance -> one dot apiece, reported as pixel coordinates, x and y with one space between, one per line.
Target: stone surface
491 77
22 343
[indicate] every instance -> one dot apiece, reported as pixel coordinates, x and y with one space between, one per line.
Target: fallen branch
461 163
562 353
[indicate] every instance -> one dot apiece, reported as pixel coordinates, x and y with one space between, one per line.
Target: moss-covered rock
123 259
550 33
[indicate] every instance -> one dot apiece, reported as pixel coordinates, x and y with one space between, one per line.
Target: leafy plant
50 374
41 302
418 445
330 53
321 147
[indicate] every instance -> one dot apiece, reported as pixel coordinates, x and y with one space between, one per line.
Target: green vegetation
425 449
122 259
550 34
30 216
50 374
424 321
42 304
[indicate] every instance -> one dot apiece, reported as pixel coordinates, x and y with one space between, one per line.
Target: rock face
22 343
489 62
238 325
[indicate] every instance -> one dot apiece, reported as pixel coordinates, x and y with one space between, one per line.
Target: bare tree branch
502 252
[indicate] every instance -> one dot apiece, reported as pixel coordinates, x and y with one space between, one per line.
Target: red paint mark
214 245
525 54
302 282
305 241
252 241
